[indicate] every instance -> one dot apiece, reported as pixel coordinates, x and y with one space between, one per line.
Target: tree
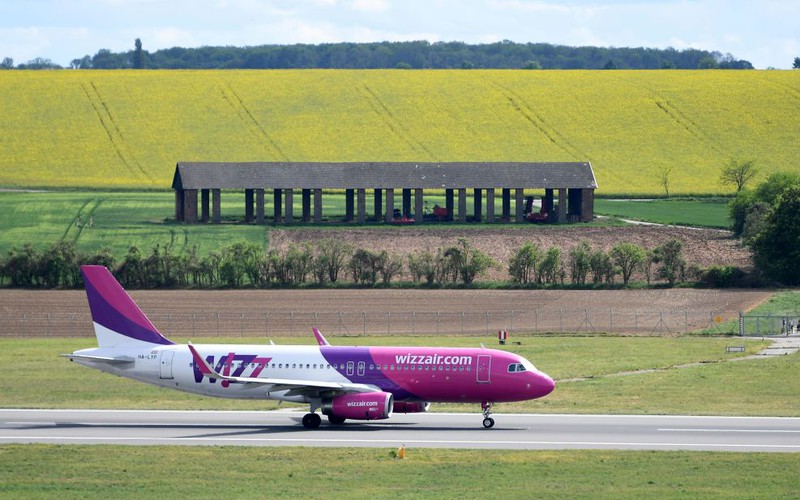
628 256
8 63
331 259
138 55
670 256
796 64
776 248
550 267
522 266
580 262
767 192
466 261
664 178
531 65
602 267
738 173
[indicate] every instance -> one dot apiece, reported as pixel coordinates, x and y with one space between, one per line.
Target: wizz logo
233 365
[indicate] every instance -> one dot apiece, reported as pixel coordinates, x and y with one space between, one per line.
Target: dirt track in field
192 313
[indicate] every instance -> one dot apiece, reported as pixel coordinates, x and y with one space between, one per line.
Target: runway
428 430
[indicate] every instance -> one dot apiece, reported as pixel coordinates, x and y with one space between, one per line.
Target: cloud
369 5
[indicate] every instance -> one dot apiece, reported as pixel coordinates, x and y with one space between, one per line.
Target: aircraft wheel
311 420
488 422
336 419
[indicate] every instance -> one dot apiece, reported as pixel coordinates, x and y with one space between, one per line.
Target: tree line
333 263
767 219
399 55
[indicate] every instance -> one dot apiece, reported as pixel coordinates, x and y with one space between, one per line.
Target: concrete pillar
389 215
419 213
216 206
449 204
519 205
349 194
361 199
204 205
260 206
289 210
506 194
190 206
477 202
306 198
562 205
317 206
462 205
377 200
406 202
248 205
490 205
277 208
179 196
587 205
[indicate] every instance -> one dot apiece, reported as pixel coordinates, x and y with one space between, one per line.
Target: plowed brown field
247 313
266 313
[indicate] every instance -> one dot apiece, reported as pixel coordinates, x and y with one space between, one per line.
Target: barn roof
383 175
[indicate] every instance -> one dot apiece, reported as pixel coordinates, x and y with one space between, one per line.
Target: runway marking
393 442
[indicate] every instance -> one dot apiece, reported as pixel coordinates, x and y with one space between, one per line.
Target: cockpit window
516 367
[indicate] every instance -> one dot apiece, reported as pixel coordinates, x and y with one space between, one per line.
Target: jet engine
411 406
359 406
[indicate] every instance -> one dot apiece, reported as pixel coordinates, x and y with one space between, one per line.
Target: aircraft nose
544 385
548 384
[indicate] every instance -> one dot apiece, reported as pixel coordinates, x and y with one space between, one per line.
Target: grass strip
50 471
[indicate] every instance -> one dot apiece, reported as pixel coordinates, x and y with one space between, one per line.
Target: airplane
356 383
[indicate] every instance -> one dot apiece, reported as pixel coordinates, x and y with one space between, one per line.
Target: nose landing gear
488 422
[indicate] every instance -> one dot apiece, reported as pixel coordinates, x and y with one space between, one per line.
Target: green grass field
712 212
128 128
121 219
42 471
597 362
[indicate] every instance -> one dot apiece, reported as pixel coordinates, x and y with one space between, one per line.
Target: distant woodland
399 55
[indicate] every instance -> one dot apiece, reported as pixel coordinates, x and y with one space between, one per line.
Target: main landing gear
311 420
488 422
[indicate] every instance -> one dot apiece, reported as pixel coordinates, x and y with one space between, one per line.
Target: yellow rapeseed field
129 128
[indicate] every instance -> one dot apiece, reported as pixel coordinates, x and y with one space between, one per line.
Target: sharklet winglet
320 338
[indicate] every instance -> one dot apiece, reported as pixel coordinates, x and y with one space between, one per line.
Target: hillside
129 128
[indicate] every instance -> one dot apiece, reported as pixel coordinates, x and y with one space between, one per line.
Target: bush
522 266
722 276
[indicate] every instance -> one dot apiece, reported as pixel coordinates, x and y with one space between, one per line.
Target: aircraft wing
279 384
121 360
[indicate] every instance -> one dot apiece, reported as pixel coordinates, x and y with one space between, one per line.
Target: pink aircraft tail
117 319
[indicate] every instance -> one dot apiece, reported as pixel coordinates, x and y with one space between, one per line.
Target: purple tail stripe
114 309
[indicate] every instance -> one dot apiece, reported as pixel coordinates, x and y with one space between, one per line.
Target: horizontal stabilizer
120 360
